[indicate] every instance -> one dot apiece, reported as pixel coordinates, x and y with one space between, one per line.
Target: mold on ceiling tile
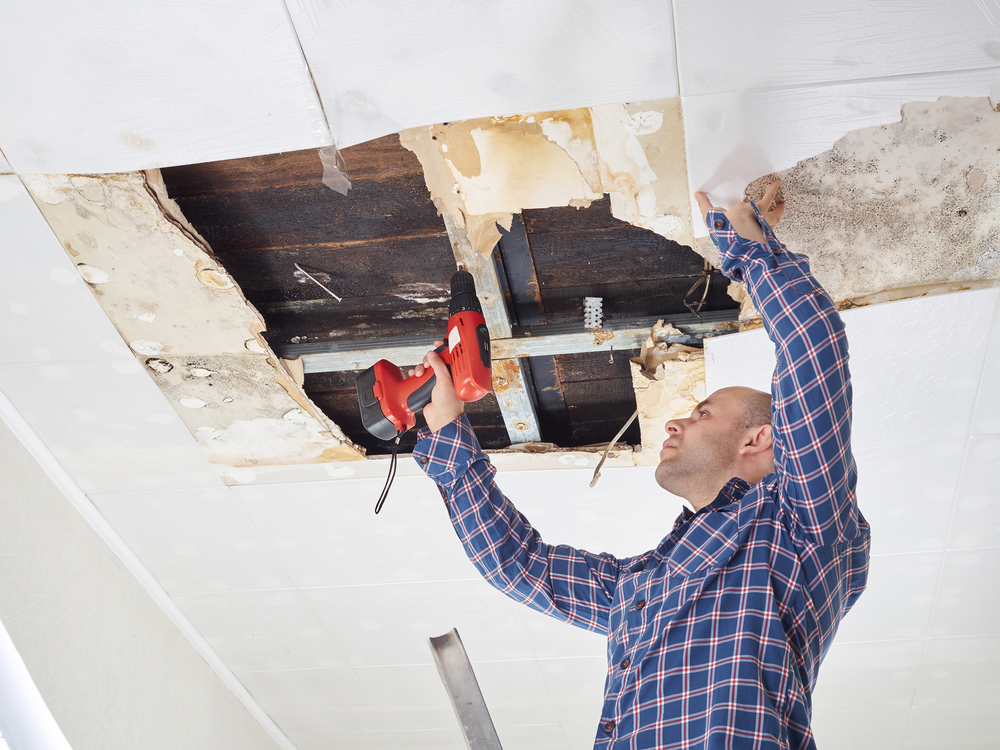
911 207
187 321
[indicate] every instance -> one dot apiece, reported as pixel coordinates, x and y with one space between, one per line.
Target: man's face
703 444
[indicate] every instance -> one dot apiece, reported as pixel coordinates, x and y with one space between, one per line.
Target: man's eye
703 413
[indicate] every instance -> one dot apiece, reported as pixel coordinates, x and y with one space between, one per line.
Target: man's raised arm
811 387
566 583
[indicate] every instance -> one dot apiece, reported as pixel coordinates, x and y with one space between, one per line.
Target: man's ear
756 440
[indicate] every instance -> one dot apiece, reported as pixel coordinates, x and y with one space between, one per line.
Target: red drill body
389 401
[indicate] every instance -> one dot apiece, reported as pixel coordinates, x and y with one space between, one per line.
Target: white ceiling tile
551 638
515 693
4 165
968 598
734 138
356 741
948 727
261 630
907 493
326 533
846 40
313 701
390 624
114 86
576 689
976 519
108 425
960 671
868 676
861 730
47 311
409 697
193 540
533 737
432 739
986 419
897 603
382 67
901 396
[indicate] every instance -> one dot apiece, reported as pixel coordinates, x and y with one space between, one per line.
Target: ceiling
322 610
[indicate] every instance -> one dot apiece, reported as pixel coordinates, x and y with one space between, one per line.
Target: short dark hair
756 410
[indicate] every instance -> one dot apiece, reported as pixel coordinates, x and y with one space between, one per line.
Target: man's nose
672 427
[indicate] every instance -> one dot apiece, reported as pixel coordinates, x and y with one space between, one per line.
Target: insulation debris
159 284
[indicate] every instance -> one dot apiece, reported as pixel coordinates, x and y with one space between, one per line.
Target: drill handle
420 397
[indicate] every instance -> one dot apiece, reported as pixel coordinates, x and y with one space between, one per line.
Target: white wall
114 670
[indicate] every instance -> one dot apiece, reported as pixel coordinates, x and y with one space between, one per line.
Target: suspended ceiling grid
53 332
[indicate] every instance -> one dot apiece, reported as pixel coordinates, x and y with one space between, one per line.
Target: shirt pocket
708 543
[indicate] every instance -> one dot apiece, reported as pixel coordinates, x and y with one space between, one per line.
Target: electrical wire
392 473
615 439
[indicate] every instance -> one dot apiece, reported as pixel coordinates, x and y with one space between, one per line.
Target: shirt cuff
444 455
738 252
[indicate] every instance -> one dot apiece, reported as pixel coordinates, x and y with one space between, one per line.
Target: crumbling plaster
186 321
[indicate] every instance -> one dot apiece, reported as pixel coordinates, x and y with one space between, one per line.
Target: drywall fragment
241 412
165 285
295 370
483 232
642 165
481 171
672 391
129 232
898 206
669 381
334 170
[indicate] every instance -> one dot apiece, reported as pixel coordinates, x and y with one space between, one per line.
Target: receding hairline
756 405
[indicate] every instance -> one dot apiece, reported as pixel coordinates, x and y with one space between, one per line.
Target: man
715 637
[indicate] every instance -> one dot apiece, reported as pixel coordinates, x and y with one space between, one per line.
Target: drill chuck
463 294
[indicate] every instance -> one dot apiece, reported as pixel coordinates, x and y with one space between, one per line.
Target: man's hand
445 406
742 217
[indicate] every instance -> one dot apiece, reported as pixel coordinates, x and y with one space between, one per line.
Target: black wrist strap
392 473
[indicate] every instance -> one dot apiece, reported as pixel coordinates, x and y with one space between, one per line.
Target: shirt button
609 726
777 251
640 604
423 459
625 663
720 224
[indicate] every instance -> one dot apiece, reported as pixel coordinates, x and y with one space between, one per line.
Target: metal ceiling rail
529 341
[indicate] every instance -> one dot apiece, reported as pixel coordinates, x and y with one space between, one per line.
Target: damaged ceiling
260 358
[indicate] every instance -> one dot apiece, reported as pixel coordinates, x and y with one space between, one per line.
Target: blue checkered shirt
715 637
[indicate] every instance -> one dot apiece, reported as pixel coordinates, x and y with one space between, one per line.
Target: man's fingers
438 365
775 216
769 195
704 204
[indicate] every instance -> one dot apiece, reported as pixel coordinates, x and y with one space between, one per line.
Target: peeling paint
146 347
640 150
92 274
482 171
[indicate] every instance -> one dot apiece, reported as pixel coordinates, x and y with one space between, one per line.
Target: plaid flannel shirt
715 637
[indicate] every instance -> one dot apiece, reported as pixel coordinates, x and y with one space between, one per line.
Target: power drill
389 401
